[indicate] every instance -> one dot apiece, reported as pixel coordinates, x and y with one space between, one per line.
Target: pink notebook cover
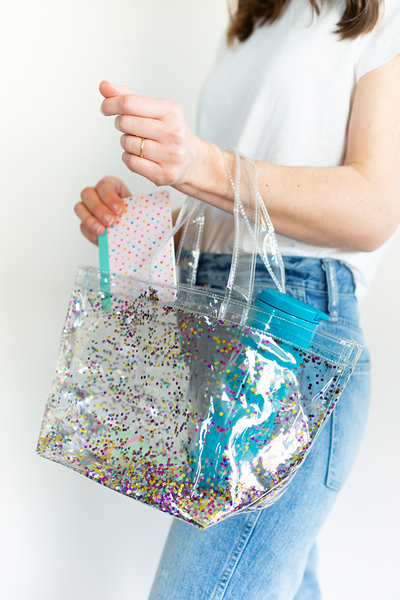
136 235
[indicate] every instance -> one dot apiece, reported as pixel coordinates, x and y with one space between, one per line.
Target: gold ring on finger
142 148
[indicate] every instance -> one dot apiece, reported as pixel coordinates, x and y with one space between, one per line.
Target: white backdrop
61 535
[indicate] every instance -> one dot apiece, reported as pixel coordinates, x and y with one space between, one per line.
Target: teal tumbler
260 379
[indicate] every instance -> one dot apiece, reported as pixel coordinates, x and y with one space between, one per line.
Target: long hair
359 16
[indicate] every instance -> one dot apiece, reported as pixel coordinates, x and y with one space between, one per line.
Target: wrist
208 180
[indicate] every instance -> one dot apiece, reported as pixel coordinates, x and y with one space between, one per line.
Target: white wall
61 535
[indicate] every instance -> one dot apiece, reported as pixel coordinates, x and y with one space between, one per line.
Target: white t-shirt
284 96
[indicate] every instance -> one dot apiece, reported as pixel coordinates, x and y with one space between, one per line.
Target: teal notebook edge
104 269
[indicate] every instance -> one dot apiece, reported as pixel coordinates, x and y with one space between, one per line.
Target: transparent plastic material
178 400
250 214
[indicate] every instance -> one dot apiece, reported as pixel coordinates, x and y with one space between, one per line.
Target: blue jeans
270 554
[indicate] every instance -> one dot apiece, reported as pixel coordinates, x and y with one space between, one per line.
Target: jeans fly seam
234 556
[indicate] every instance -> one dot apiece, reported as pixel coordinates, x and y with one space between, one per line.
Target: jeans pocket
348 422
347 324
349 417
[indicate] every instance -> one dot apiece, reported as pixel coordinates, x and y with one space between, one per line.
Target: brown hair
359 16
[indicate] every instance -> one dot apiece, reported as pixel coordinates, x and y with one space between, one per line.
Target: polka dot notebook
135 237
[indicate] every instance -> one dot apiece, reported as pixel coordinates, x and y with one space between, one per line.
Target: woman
313 95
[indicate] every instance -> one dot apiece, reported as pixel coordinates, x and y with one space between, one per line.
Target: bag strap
265 227
250 214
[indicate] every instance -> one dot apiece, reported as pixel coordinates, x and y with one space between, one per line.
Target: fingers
169 158
94 213
151 150
89 235
143 128
139 106
118 187
135 129
109 196
108 89
91 225
99 207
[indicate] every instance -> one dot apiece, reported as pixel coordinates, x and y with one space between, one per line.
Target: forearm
334 206
354 207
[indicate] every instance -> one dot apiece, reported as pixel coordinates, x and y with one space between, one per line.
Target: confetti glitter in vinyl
171 405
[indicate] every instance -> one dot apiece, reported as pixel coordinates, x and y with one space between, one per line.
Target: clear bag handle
262 225
250 214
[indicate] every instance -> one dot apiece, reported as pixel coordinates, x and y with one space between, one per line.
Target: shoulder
383 43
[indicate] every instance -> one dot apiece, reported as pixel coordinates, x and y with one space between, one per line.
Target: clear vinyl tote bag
199 404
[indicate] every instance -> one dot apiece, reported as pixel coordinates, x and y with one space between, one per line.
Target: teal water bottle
261 375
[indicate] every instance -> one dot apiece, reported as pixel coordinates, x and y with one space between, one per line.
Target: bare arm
355 206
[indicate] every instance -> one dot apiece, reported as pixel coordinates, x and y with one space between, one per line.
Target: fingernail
98 229
108 219
117 208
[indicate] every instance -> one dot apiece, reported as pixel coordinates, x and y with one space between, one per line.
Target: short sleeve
383 43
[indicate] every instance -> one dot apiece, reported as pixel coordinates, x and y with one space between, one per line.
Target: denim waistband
325 275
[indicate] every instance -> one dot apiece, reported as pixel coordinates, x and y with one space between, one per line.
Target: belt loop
328 265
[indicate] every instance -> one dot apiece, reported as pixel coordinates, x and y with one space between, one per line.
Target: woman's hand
172 154
100 205
171 150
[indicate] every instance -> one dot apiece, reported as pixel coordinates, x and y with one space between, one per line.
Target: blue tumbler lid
291 306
